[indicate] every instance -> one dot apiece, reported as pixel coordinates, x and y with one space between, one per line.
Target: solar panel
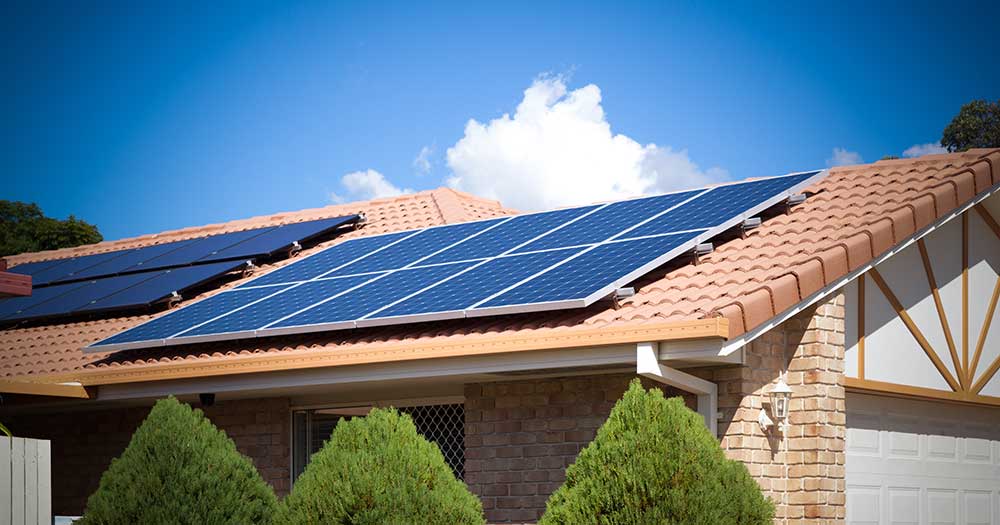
116 292
34 267
552 260
246 244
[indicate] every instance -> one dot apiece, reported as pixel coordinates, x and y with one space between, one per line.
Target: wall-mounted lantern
781 395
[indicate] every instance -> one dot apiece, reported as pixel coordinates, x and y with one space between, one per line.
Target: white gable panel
891 352
906 277
984 267
851 328
944 248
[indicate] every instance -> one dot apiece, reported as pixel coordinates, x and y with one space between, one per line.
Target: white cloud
422 162
843 157
366 185
558 149
918 150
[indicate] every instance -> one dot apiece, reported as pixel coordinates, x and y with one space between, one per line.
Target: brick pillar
806 482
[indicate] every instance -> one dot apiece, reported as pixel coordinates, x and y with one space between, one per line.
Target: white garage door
921 463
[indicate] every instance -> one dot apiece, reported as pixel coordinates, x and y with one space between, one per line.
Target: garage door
921 463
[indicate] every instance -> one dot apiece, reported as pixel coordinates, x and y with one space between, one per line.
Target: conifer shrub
179 468
654 461
378 470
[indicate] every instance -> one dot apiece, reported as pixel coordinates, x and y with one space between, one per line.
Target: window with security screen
443 425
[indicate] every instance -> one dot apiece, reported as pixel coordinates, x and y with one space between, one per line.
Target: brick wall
84 443
521 435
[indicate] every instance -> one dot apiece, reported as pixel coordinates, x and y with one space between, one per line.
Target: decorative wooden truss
921 323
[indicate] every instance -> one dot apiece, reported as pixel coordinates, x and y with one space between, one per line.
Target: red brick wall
84 443
521 435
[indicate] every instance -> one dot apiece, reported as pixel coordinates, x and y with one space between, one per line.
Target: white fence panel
25 482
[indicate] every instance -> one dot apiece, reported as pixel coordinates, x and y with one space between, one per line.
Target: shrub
654 461
378 470
179 468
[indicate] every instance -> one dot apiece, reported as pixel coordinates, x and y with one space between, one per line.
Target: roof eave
715 329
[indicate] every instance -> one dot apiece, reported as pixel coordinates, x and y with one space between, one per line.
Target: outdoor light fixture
781 394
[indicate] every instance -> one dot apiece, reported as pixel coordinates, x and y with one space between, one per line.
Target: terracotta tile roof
852 215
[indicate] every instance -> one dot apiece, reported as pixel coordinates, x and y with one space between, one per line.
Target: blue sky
142 117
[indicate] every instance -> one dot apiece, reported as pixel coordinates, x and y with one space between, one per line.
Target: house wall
521 435
84 443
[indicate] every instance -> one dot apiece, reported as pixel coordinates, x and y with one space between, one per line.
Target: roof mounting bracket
794 200
249 268
618 296
749 224
361 221
702 250
294 249
174 299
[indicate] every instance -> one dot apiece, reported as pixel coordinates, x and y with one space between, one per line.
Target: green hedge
378 470
654 462
179 468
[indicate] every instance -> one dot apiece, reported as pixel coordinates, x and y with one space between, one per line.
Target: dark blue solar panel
278 306
508 235
34 267
183 318
374 295
80 296
196 250
588 273
71 266
129 259
413 248
161 285
718 205
13 305
271 241
326 260
608 221
477 284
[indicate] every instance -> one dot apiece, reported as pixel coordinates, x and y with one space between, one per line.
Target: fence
25 481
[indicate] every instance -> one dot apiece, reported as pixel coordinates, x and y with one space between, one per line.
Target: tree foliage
377 469
180 469
654 462
977 125
24 228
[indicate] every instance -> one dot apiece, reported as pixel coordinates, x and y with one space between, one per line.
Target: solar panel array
542 261
144 276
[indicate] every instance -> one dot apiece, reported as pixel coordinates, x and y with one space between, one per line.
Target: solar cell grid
129 259
279 305
191 315
373 295
477 284
415 247
160 286
579 277
12 305
69 267
608 221
329 259
509 235
715 206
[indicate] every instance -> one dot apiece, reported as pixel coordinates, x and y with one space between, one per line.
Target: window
441 424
